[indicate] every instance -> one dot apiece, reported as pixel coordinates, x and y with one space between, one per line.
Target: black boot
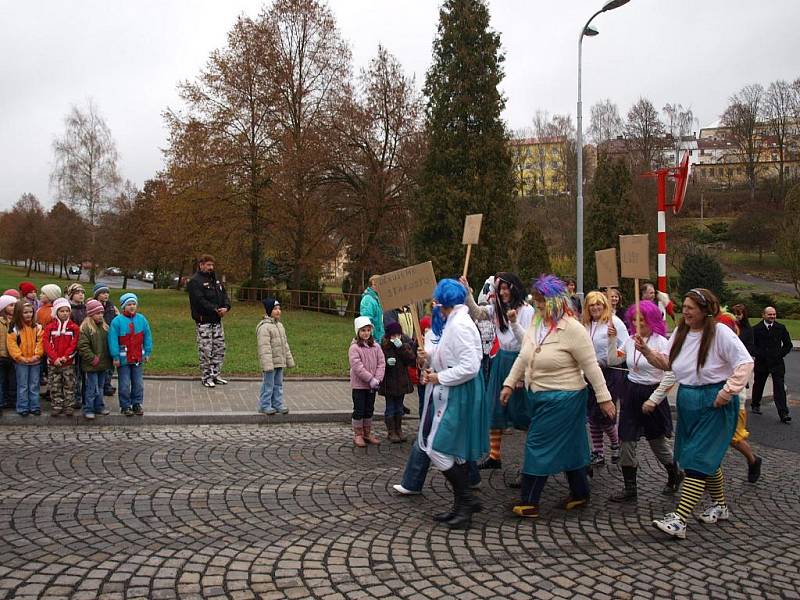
674 478
465 503
629 492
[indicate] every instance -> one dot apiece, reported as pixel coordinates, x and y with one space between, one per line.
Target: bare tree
679 121
541 127
605 123
778 113
742 119
521 160
643 133
85 173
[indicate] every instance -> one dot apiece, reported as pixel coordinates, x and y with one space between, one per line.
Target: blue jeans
394 406
27 387
131 386
417 467
271 394
109 375
80 386
94 392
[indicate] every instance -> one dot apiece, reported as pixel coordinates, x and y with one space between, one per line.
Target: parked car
148 276
74 270
114 271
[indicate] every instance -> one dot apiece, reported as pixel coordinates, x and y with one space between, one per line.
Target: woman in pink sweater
367 367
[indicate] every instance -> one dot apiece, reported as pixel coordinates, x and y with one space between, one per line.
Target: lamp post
590 31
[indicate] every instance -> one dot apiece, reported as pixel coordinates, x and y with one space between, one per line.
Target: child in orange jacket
24 342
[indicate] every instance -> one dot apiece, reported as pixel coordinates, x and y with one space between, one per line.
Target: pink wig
651 315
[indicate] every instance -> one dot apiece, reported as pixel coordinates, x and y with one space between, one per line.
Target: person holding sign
639 413
556 354
454 426
711 366
511 316
601 325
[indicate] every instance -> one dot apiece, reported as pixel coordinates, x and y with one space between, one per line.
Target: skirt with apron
703 432
633 423
515 413
557 439
455 420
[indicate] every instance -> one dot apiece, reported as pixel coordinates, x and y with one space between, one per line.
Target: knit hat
361 322
269 305
393 328
425 323
26 287
126 299
99 289
12 292
6 300
94 307
51 291
60 303
73 289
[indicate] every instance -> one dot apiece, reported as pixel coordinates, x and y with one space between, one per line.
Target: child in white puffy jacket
275 356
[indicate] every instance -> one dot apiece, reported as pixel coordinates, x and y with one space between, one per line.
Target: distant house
540 167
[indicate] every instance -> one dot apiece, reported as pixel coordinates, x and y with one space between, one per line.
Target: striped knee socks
495 437
691 493
716 485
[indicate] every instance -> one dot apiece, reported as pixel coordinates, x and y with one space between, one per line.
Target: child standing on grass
60 342
93 349
8 379
396 384
130 343
274 355
101 293
367 367
24 342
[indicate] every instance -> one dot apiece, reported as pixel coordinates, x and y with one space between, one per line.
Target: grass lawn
319 342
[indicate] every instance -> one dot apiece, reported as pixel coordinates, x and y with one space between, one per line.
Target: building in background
540 167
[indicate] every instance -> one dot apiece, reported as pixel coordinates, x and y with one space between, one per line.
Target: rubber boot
370 437
628 493
674 478
398 428
391 434
358 434
465 502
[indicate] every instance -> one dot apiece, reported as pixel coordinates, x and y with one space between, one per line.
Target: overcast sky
128 57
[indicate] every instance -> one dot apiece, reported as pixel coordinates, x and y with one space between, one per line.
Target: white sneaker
672 525
219 380
403 491
715 513
209 383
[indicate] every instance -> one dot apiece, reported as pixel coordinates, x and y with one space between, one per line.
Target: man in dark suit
771 343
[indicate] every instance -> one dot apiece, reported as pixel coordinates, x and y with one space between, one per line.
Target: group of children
72 346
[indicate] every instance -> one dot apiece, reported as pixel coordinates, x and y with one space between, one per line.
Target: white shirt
727 353
457 357
599 334
639 370
511 338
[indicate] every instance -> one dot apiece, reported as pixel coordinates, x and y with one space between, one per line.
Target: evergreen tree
701 270
610 213
532 256
468 168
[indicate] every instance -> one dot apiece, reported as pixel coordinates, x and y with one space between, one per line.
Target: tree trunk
29 267
125 280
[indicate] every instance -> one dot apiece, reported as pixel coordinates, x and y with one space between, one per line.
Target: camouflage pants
211 348
61 383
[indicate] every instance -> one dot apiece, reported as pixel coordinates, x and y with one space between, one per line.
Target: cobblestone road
295 511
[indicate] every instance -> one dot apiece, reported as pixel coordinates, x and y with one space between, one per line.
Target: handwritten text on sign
406 286
472 229
634 256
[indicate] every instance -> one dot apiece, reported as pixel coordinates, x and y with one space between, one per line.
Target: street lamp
590 31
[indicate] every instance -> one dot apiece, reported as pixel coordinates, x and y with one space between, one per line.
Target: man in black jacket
209 303
771 342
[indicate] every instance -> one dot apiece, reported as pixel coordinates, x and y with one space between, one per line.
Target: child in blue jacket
130 344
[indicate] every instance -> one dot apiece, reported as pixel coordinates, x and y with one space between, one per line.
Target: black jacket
206 295
770 346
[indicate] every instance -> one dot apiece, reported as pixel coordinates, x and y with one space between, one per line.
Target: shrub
701 270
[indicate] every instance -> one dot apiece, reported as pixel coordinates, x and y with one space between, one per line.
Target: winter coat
60 340
206 295
25 342
371 307
109 311
395 379
366 363
273 347
4 325
91 345
130 336
78 313
45 314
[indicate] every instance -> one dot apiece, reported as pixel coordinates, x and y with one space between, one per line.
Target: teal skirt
557 439
463 431
515 413
703 433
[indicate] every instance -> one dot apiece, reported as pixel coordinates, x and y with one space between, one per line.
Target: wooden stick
636 301
466 261
417 327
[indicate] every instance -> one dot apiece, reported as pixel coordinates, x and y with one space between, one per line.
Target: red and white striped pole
662 230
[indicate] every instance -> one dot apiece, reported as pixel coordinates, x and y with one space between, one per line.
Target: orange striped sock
495 436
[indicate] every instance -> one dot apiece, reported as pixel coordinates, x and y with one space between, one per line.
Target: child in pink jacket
367 366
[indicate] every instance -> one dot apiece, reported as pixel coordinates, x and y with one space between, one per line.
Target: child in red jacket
60 341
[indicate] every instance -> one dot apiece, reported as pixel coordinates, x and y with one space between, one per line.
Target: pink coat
366 363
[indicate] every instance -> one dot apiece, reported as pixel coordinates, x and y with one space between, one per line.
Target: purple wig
651 315
556 299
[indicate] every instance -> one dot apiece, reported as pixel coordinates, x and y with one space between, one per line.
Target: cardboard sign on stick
472 229
607 274
633 256
407 286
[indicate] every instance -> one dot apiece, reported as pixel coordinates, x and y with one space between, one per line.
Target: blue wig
448 293
437 321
